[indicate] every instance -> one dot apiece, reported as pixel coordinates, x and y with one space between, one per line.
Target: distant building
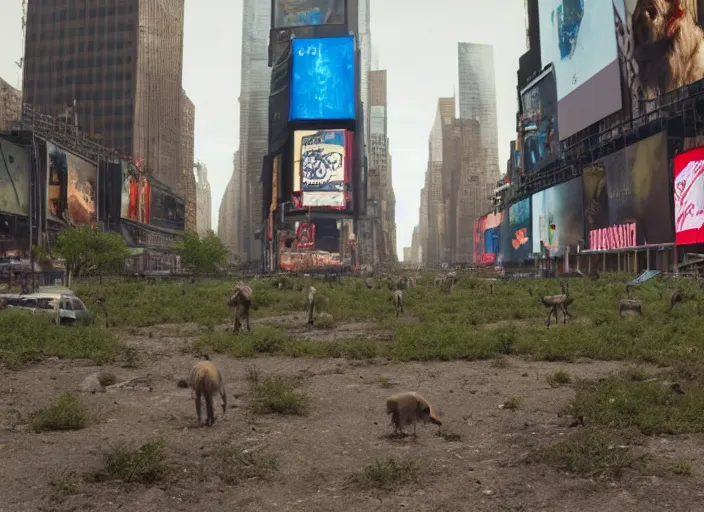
120 65
407 255
231 213
188 179
204 202
477 99
10 105
254 119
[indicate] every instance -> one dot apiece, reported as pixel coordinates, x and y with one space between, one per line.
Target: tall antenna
20 63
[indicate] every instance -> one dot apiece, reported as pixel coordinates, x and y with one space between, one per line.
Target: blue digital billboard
323 82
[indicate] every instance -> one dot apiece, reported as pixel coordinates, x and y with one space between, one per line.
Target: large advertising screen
136 195
556 218
689 197
518 247
626 197
14 179
487 239
653 65
579 39
539 123
321 168
71 188
323 83
301 13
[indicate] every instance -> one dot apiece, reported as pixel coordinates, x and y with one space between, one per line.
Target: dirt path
475 467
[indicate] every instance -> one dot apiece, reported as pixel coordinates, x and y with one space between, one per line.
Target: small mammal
408 408
205 380
398 302
241 300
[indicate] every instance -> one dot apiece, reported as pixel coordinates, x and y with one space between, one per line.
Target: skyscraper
477 98
119 62
204 209
10 105
254 120
231 212
188 179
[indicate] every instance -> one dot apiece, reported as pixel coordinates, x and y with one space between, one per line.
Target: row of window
59 47
42 32
72 13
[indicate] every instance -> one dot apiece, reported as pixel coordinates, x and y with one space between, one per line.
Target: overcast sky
416 42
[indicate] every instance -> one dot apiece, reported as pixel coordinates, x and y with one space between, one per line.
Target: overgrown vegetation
592 453
89 250
275 394
25 338
107 379
144 465
201 255
67 412
387 473
235 464
559 378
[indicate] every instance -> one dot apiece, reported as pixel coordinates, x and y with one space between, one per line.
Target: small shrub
275 394
500 362
236 465
385 383
66 484
512 404
559 378
67 412
107 379
387 473
146 465
591 453
131 358
680 468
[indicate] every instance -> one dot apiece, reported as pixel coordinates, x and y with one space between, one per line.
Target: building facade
188 179
10 105
204 202
381 201
231 213
456 190
477 99
254 120
116 68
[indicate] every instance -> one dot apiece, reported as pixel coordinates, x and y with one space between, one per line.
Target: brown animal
408 408
668 46
206 380
676 298
241 300
398 302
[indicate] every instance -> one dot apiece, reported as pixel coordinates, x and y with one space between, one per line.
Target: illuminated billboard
653 65
487 239
539 122
689 197
556 218
579 38
301 13
321 166
517 247
626 201
323 79
136 195
71 188
14 178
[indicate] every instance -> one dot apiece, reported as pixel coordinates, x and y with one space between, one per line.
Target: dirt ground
482 470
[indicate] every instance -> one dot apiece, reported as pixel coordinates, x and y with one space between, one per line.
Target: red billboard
689 197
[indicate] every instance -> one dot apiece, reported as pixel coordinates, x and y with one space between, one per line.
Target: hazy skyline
417 46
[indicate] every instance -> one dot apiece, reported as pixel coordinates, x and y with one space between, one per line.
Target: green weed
67 412
25 338
275 394
146 464
388 473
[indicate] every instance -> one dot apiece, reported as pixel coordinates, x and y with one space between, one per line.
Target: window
78 305
66 304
